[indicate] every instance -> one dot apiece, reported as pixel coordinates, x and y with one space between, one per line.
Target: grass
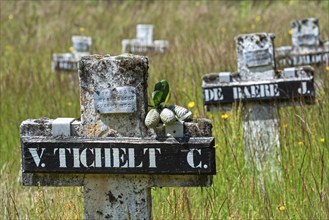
201 41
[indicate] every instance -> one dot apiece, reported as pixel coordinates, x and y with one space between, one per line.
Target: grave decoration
307 48
261 88
110 152
143 43
161 112
69 61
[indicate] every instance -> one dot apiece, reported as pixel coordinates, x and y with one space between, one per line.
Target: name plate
64 61
249 91
65 65
115 100
257 58
118 155
303 59
81 43
307 39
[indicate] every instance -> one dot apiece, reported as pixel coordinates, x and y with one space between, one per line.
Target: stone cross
261 88
81 46
110 152
143 42
305 33
145 33
307 48
255 54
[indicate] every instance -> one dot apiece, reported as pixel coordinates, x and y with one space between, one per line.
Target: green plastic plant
161 94
160 111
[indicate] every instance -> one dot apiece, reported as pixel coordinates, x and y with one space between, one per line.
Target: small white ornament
152 118
181 112
167 116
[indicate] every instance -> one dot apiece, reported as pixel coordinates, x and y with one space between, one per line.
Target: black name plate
253 91
118 155
304 59
65 65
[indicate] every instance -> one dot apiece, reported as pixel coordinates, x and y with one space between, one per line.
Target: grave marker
307 48
261 88
143 43
69 61
110 152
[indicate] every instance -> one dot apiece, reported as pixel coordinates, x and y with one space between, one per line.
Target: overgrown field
201 37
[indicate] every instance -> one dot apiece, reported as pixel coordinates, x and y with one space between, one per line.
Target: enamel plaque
115 100
257 58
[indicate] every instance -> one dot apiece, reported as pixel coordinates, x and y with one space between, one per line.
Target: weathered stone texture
260 122
258 47
305 33
102 72
113 196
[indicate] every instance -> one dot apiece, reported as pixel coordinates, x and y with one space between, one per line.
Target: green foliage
201 35
161 94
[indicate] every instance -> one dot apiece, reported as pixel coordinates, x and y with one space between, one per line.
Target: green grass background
201 41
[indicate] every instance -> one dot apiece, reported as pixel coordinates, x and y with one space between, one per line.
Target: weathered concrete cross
69 61
262 88
110 152
307 47
143 42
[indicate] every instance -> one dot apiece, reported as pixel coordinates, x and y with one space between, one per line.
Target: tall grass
201 41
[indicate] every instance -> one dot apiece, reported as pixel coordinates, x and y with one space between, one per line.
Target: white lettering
218 94
117 159
235 93
83 157
209 95
152 158
76 158
308 61
123 158
276 90
303 89
190 158
256 91
98 157
262 91
295 60
267 90
214 94
253 92
131 158
246 93
62 156
317 58
35 155
107 157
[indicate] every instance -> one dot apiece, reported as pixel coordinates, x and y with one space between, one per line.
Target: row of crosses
143 43
117 159
307 48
